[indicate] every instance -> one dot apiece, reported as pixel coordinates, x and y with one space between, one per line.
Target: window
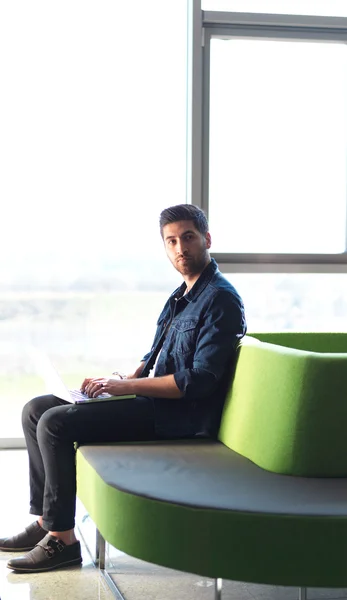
93 147
278 146
293 301
272 163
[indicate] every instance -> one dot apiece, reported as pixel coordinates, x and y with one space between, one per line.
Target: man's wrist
119 375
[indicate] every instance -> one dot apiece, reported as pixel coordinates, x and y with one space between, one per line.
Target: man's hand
95 386
158 387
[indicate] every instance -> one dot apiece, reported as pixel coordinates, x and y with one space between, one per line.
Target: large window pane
92 147
278 141
328 8
293 302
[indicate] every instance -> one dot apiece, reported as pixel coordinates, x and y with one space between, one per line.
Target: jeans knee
33 410
29 412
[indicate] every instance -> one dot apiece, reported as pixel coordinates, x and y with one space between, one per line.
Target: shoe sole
17 549
69 563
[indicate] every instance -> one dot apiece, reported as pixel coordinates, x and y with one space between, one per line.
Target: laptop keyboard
78 395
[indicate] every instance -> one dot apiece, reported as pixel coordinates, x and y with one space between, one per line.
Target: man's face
186 247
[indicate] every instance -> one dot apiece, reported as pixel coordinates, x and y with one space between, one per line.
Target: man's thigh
35 408
114 420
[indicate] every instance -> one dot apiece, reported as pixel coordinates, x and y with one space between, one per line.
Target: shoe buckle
53 546
60 546
49 551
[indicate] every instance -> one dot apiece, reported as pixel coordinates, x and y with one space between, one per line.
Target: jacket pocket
184 332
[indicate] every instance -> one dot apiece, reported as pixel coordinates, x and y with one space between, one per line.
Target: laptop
55 384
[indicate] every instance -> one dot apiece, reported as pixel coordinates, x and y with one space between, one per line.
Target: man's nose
180 247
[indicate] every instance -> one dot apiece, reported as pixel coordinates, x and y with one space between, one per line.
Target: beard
189 265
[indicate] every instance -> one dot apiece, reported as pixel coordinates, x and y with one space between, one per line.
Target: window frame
215 24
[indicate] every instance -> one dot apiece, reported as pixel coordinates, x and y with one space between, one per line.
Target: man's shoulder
223 287
224 302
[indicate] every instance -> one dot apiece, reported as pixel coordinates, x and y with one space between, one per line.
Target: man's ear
208 240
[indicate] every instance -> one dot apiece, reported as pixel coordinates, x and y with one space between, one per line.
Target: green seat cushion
200 507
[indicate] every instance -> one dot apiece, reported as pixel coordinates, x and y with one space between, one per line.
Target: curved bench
267 503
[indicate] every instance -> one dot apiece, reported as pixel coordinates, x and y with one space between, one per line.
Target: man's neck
189 281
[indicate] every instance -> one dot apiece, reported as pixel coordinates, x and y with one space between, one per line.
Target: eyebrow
170 237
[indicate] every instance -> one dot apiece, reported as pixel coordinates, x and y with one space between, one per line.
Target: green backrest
303 340
286 409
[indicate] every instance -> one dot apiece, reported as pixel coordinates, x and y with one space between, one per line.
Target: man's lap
115 420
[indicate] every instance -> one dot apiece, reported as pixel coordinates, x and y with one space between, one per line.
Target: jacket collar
199 285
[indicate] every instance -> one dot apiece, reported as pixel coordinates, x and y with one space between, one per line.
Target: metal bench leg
218 589
97 547
302 593
102 567
100 550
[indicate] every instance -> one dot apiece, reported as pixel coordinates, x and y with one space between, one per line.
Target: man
193 349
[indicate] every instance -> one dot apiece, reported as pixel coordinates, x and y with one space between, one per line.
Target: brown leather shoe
50 553
24 541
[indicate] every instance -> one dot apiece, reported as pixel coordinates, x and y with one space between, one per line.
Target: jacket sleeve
223 326
146 357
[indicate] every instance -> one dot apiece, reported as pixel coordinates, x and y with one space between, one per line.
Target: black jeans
51 426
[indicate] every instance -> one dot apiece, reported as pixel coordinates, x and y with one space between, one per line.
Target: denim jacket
201 330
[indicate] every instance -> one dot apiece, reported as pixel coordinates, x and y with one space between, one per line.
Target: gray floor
136 579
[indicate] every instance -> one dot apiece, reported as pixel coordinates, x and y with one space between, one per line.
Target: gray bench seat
200 507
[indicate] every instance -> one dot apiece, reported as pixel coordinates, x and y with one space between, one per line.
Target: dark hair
184 212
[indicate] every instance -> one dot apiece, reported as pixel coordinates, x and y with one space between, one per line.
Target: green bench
266 502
